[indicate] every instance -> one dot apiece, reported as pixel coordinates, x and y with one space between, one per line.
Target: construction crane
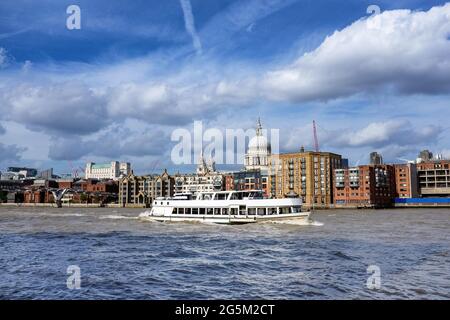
75 171
316 140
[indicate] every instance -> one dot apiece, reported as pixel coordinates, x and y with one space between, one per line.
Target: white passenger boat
226 207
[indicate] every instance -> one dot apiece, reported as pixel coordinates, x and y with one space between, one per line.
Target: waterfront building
306 174
371 186
406 180
142 190
375 158
229 181
12 176
45 183
94 185
206 179
27 172
434 178
259 151
65 183
40 195
112 170
13 185
46 174
248 180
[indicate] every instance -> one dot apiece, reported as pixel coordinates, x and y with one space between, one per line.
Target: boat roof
229 191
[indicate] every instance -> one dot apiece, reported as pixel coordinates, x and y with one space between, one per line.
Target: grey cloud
111 144
67 108
10 152
68 149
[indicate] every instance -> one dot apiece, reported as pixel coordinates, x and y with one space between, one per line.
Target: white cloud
408 53
378 134
446 153
27 65
4 60
190 24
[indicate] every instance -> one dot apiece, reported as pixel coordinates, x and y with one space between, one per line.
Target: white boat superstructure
227 207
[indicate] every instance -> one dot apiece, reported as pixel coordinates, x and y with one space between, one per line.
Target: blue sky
137 70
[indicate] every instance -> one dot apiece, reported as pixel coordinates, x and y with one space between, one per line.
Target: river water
121 257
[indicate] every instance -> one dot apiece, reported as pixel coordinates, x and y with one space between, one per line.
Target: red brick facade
365 186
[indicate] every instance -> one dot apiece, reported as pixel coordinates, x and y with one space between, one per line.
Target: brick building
406 180
41 195
229 181
308 174
371 186
142 190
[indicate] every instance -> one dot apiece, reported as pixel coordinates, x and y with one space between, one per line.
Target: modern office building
247 180
425 156
46 174
306 174
27 172
375 158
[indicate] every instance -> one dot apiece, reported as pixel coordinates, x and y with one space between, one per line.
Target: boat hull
296 217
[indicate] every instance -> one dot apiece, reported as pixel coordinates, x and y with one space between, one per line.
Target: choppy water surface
121 257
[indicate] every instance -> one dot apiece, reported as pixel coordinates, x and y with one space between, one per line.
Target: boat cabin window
221 196
194 210
255 195
296 209
237 196
271 211
285 210
261 211
205 196
247 195
202 210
